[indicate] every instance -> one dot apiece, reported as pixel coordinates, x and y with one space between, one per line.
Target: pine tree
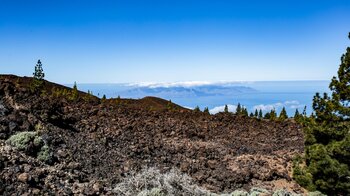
239 109
283 114
260 114
267 115
251 114
327 145
256 114
169 105
104 98
226 109
245 111
206 110
74 92
38 77
197 109
304 112
273 114
296 114
39 72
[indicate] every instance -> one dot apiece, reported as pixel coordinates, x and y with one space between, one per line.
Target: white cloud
267 107
231 108
191 108
294 104
297 106
186 84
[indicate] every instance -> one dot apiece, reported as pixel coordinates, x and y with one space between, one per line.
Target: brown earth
94 143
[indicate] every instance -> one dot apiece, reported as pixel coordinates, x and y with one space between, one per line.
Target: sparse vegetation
151 182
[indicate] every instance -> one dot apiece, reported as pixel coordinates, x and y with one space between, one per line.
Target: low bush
32 144
22 140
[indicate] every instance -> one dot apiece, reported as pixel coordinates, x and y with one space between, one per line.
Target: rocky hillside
57 141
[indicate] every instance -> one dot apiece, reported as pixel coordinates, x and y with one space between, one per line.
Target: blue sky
174 40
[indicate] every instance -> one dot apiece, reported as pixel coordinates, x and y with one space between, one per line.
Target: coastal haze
264 95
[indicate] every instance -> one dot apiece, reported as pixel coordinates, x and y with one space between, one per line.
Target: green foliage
169 105
239 109
71 95
260 114
74 95
297 114
38 141
316 193
196 109
251 114
239 193
38 78
267 115
283 115
327 138
104 98
21 140
226 109
256 113
281 192
271 115
44 154
258 191
31 143
244 112
206 110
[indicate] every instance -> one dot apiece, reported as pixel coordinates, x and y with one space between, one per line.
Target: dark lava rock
95 143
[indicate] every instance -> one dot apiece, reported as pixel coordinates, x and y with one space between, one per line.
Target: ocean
253 95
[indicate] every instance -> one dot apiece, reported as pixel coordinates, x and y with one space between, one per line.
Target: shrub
21 140
316 193
239 193
153 181
44 154
32 144
153 192
282 192
258 191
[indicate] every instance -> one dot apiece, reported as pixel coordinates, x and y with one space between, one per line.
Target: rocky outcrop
94 144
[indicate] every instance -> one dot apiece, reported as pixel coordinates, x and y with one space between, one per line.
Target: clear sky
174 40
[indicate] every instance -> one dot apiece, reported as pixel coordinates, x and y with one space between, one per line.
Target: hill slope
87 145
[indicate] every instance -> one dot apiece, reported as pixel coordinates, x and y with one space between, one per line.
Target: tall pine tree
327 145
38 77
260 114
